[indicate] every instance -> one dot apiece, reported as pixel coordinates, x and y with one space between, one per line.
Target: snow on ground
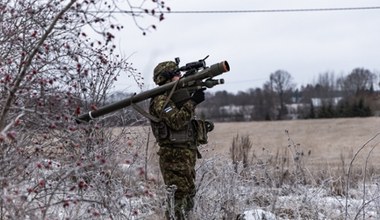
256 214
324 206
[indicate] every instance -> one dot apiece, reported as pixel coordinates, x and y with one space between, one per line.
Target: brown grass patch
327 142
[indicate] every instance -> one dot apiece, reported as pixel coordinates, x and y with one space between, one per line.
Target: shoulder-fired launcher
195 80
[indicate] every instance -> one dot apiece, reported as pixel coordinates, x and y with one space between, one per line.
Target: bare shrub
218 192
281 185
57 59
102 175
240 150
286 166
366 174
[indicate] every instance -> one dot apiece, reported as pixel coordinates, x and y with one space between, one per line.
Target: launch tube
213 70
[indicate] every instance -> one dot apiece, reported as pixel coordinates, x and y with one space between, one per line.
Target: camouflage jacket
175 118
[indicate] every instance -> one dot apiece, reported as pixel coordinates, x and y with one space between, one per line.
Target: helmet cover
160 72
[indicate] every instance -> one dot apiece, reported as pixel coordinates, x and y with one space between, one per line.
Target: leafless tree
327 83
357 81
281 82
57 58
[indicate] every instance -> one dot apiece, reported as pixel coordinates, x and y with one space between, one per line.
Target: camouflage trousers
177 166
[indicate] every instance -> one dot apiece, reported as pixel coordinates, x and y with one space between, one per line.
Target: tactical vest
195 133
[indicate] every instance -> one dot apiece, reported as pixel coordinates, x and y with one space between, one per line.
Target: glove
209 126
198 96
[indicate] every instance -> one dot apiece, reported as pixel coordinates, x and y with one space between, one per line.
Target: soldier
176 132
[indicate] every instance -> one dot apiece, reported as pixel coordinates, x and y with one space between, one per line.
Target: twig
146 157
349 170
364 179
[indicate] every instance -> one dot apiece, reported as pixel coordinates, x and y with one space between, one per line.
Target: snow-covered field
243 195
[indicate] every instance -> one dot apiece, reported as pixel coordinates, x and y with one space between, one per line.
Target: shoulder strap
169 96
144 113
151 117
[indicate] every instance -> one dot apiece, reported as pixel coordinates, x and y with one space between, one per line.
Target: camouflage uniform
177 160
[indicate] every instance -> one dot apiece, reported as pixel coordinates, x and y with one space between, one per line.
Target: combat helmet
163 72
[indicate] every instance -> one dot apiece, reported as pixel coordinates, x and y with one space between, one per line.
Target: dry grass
287 158
326 141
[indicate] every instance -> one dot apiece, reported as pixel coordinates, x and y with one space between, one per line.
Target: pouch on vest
200 131
182 136
163 133
160 130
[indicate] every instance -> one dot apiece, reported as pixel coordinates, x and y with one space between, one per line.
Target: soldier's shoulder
159 100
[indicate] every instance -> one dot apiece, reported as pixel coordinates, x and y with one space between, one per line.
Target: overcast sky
257 44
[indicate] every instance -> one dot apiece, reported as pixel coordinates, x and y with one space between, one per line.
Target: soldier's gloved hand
209 126
198 96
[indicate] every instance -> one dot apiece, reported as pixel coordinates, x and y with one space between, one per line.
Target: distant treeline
279 98
257 106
